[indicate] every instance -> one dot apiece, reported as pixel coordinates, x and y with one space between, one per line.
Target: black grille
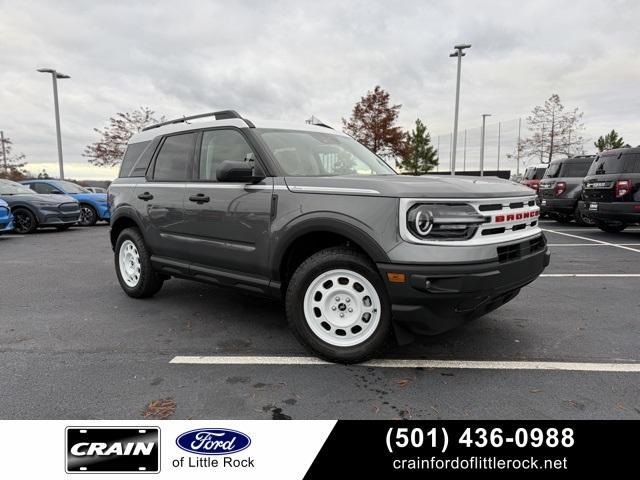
522 249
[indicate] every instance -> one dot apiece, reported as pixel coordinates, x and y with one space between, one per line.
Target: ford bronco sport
306 214
611 189
560 189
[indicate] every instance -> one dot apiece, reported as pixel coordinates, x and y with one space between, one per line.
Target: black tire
319 263
24 221
562 218
62 228
149 282
88 215
582 219
611 227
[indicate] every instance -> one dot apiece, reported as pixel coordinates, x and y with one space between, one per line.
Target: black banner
397 449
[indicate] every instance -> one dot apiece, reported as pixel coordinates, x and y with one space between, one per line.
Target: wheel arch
310 235
120 221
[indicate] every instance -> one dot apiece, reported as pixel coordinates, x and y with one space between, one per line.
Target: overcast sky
289 60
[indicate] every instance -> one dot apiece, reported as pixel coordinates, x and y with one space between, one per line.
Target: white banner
173 448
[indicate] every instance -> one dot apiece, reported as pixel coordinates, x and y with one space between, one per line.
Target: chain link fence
500 147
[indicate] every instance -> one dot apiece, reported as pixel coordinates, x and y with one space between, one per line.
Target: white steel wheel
342 308
129 262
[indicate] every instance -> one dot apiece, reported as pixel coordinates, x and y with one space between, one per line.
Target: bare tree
108 151
554 131
12 166
373 123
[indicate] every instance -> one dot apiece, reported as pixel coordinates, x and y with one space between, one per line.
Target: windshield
307 154
69 187
7 187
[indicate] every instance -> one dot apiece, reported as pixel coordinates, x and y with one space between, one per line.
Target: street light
55 76
459 53
484 117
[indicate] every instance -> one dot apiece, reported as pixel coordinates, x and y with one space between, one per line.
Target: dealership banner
312 449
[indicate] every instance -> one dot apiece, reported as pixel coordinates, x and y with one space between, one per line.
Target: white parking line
591 275
400 363
590 244
591 240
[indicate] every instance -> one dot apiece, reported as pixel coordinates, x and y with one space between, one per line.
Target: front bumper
6 224
558 205
103 211
627 212
437 298
52 220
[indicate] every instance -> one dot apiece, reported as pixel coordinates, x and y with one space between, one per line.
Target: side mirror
241 172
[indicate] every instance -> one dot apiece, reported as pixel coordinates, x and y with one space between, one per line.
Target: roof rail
220 115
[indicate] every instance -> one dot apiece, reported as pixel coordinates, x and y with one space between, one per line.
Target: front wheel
88 216
611 227
338 307
24 221
133 265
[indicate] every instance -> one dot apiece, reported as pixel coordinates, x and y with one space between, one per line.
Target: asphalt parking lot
72 345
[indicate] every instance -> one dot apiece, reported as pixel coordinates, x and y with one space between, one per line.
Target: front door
228 223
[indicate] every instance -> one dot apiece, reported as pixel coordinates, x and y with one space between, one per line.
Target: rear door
160 200
227 223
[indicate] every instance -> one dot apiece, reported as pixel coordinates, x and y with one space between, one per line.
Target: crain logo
213 441
113 449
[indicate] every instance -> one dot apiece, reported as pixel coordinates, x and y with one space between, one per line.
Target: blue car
6 217
93 205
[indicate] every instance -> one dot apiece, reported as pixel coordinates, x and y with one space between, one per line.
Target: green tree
610 141
373 123
419 155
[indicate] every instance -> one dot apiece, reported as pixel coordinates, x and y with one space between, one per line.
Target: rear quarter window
631 162
130 159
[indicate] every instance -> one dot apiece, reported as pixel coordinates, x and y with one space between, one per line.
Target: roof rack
220 115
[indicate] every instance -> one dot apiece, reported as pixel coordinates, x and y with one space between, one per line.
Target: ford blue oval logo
213 441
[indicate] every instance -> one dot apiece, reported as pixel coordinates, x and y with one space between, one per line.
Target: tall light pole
4 153
484 118
459 53
55 76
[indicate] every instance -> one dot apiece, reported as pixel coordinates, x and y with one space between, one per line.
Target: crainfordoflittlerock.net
480 463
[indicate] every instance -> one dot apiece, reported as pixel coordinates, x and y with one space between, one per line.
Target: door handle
145 196
199 198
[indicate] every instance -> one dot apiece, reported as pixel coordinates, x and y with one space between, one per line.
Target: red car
533 175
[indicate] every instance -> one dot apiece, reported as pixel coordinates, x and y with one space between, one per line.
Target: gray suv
306 214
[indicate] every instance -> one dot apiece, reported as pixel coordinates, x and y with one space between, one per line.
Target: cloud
290 59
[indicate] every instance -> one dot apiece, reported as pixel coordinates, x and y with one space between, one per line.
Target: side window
43 188
218 146
174 159
130 157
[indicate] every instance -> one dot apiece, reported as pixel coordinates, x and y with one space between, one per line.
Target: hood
49 199
404 186
3 203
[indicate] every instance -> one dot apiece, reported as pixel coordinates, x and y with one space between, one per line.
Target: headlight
443 221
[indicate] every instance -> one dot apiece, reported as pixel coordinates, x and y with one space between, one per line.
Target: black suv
561 189
306 214
611 189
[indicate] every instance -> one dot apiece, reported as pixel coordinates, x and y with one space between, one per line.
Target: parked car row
33 204
601 190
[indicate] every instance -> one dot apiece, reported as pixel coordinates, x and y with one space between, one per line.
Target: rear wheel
133 266
611 227
337 306
88 216
24 221
582 219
